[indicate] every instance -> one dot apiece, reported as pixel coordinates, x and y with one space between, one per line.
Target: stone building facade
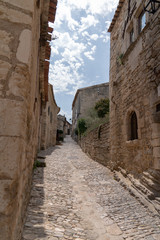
61 120
49 121
135 92
24 55
85 99
68 128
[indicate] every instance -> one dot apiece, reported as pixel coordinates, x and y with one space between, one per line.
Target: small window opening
134 126
158 107
51 117
142 21
131 36
48 111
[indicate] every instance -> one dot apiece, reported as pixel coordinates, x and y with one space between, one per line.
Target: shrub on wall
81 126
102 107
76 132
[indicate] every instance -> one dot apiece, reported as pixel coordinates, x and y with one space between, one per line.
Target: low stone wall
96 144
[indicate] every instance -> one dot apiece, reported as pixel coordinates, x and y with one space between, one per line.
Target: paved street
74 197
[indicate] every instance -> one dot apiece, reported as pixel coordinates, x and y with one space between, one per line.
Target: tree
102 107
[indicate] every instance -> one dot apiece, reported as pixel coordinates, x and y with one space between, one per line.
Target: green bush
102 107
60 138
59 131
81 126
38 164
93 121
76 132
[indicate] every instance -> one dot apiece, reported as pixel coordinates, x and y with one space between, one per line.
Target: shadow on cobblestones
34 225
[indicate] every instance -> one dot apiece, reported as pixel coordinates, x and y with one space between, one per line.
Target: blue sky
80 54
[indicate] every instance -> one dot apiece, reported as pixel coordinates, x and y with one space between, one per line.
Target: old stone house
24 65
135 92
61 119
68 128
85 99
49 121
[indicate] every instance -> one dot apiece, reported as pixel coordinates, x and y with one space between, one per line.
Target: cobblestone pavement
74 197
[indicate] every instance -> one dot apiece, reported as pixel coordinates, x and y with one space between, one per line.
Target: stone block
19 82
14 16
157 163
155 130
156 151
5 67
156 142
12 151
24 48
5 39
26 5
158 89
3 195
5 228
12 118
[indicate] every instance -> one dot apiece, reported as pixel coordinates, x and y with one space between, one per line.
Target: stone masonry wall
49 121
134 86
85 100
97 145
20 102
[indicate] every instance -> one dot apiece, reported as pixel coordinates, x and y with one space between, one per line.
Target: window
51 117
158 107
142 21
48 111
131 35
134 126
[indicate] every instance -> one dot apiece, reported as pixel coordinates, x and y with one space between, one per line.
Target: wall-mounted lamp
152 6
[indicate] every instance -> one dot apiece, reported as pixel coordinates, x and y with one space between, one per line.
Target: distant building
85 99
49 121
61 122
68 128
63 127
135 90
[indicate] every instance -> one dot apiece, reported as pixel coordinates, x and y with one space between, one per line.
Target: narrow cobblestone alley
74 197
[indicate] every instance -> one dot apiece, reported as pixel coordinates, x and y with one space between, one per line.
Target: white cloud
64 14
94 37
94 7
87 22
89 54
72 50
76 35
65 78
85 34
105 36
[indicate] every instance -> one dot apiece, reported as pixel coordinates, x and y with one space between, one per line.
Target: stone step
155 174
149 176
138 185
151 184
136 189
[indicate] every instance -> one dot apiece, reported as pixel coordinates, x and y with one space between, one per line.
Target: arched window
134 126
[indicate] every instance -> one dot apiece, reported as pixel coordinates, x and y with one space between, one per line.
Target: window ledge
132 45
132 143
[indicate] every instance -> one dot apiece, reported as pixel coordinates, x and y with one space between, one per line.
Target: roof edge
81 89
116 15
